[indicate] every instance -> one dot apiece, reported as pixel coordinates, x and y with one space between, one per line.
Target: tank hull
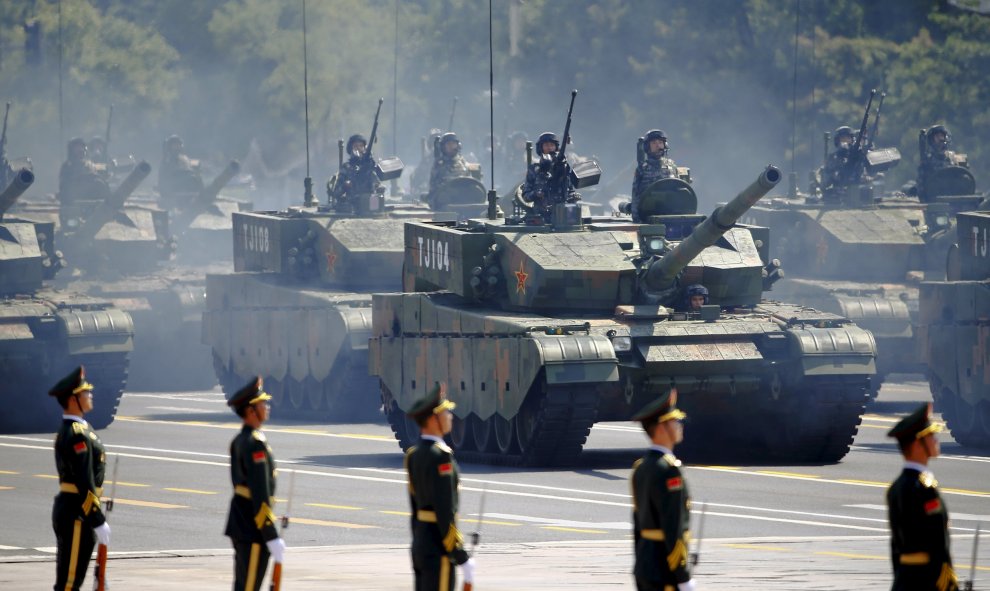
42 338
309 344
529 387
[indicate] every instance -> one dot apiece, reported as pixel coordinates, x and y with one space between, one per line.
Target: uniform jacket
543 190
661 516
356 177
433 481
919 540
82 180
651 170
445 169
81 463
252 471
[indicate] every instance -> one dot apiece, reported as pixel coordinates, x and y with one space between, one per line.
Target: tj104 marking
434 254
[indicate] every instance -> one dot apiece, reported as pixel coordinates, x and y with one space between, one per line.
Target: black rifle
559 169
453 109
850 172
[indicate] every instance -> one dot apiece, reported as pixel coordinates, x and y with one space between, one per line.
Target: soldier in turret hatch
545 186
839 173
935 155
695 296
357 175
81 178
450 163
653 166
178 173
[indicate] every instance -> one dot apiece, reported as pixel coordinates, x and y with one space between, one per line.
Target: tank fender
98 331
845 350
576 358
885 317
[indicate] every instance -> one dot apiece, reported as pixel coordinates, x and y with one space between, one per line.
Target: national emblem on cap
74 383
435 402
660 410
249 394
916 425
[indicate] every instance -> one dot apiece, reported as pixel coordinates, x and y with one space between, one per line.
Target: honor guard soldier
661 504
81 462
919 520
251 520
433 482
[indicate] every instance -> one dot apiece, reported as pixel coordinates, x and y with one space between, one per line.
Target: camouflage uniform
544 191
177 174
446 168
80 178
933 159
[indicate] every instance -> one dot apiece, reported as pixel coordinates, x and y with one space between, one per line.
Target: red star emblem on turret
331 260
521 277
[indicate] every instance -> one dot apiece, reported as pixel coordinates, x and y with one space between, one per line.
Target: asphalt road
347 489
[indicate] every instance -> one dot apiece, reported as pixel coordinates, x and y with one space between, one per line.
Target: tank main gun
22 180
661 273
129 184
210 192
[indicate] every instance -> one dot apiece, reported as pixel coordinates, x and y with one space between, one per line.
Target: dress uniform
919 519
661 507
433 481
81 463
251 519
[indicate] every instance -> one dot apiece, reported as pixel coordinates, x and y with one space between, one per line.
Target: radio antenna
309 201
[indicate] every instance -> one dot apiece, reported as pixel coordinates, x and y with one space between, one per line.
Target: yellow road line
6 488
788 474
49 476
327 506
758 547
8 472
131 484
402 513
864 482
191 491
306 521
490 522
574 529
150 504
867 426
237 426
853 555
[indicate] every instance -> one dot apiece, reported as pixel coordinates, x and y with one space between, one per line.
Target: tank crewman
450 163
97 149
81 178
936 155
655 165
81 463
695 296
433 482
661 503
836 175
919 519
251 520
357 175
178 174
545 187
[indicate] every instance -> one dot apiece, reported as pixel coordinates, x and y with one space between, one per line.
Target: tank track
821 419
337 398
557 420
108 374
969 425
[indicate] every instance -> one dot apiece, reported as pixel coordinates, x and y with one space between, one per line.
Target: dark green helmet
844 131
450 136
930 134
357 137
656 134
547 136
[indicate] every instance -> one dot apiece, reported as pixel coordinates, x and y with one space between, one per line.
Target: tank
954 333
45 333
297 309
538 332
123 251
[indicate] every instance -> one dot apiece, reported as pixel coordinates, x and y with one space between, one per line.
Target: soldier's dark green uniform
661 508
81 463
251 519
919 519
433 480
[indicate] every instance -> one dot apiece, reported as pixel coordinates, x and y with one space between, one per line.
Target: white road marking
942 456
953 516
620 525
180 409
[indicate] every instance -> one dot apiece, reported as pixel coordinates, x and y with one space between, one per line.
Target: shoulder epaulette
78 428
671 459
927 479
443 447
259 435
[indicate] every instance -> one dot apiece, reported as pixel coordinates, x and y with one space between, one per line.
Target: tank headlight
656 244
942 220
622 344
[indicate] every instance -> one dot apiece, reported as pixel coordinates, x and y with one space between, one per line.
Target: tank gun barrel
662 273
210 192
131 182
22 180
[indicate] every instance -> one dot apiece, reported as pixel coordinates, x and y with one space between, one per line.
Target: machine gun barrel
876 122
3 136
567 132
131 182
22 180
210 192
374 130
663 271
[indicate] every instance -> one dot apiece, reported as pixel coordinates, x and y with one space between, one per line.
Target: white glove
686 585
277 549
467 569
103 533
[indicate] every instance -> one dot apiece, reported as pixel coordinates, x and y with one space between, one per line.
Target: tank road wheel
969 425
505 436
481 433
459 438
295 395
405 429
